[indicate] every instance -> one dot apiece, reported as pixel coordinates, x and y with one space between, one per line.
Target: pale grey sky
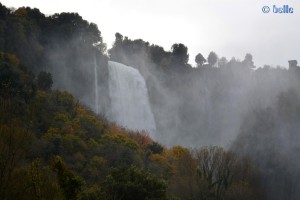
228 27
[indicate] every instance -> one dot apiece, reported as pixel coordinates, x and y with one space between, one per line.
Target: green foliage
53 108
94 192
132 183
33 182
93 126
42 182
155 148
119 150
15 144
14 80
51 126
37 123
182 182
73 143
70 183
60 44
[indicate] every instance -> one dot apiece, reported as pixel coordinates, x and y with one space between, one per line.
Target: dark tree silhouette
180 54
212 58
200 60
248 61
44 80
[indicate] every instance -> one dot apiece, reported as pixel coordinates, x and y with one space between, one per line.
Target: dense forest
225 129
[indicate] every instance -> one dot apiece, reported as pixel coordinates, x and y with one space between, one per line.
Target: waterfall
96 87
130 105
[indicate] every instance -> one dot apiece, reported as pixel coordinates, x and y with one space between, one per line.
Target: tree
119 39
14 78
216 169
200 60
44 80
180 54
223 175
223 62
155 148
212 58
182 184
133 184
119 150
248 61
14 146
40 184
15 136
69 182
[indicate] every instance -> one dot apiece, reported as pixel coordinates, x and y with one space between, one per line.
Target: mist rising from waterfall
96 88
130 105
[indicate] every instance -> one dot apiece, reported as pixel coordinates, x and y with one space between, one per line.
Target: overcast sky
231 28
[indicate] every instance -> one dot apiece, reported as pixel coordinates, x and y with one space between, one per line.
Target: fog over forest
95 114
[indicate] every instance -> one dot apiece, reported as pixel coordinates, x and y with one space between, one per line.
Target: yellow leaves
21 12
92 144
181 160
62 117
74 143
98 161
142 138
52 132
40 96
183 168
91 192
80 110
178 152
68 129
160 165
11 58
159 158
61 125
115 130
119 140
90 125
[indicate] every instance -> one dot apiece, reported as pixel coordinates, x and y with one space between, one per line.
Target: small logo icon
265 9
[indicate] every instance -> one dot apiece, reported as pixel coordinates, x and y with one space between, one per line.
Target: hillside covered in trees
54 145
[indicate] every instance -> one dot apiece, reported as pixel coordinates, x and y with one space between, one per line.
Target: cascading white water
96 88
130 105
